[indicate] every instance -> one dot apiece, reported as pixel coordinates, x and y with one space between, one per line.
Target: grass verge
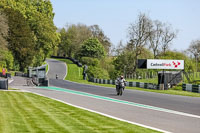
27 112
74 70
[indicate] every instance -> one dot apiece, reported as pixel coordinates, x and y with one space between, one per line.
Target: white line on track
66 70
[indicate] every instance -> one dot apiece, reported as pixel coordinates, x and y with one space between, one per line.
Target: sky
115 16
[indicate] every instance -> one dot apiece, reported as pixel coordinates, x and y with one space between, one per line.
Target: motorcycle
120 88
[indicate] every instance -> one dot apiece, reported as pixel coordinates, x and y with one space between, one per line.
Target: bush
6 59
97 73
90 61
92 48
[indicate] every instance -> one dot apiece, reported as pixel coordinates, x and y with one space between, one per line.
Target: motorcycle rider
120 81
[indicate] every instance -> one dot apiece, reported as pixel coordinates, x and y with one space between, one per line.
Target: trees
104 40
175 55
74 35
39 15
194 48
161 35
21 40
143 34
139 33
3 31
167 37
155 37
125 62
92 48
71 39
6 58
63 46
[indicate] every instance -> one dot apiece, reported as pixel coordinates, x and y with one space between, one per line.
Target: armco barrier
72 59
130 84
191 88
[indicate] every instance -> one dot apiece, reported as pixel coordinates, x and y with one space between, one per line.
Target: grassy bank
74 70
26 112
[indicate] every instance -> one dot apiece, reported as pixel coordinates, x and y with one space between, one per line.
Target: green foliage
3 30
21 39
74 35
64 43
90 61
92 48
99 34
189 65
125 62
97 72
107 64
38 58
6 59
39 15
71 39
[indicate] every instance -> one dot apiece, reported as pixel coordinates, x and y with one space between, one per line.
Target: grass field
74 70
25 112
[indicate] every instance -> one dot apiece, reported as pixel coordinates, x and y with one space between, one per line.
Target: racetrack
166 112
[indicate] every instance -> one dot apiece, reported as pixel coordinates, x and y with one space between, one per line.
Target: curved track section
56 67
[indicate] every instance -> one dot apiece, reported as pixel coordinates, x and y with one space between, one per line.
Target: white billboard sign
165 64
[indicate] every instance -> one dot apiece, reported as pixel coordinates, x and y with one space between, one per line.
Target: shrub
90 61
97 73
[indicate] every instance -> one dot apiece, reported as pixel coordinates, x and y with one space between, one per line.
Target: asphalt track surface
183 115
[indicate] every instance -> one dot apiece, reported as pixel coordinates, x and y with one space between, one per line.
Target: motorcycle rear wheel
120 91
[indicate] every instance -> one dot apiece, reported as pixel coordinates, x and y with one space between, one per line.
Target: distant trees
139 33
155 38
161 35
167 37
73 36
144 33
194 48
175 55
99 34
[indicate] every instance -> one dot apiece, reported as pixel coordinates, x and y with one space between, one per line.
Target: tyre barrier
40 81
129 84
4 84
191 88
